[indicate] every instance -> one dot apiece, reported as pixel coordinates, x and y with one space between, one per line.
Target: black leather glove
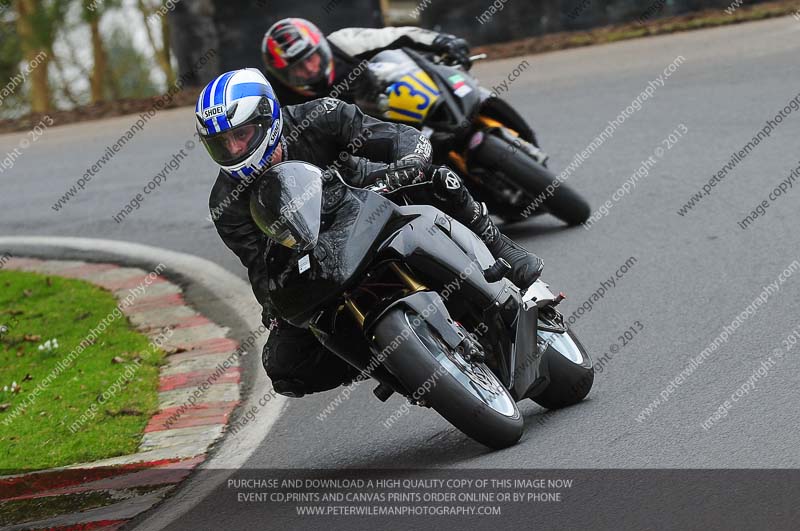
454 47
408 170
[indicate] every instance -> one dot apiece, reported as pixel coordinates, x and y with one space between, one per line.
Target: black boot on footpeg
497 270
452 196
525 266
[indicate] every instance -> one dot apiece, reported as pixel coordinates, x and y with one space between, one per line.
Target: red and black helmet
296 52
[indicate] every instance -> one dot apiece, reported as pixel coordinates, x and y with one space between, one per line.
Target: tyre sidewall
413 364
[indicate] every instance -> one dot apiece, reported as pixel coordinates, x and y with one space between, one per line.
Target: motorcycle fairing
410 91
412 97
438 255
345 247
368 229
462 107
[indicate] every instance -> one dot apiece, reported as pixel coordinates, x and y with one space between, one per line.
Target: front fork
411 284
463 341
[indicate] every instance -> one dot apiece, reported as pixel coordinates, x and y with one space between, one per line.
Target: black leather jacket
328 133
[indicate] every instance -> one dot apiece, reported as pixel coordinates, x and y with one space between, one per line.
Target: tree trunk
100 67
36 50
165 58
40 87
162 53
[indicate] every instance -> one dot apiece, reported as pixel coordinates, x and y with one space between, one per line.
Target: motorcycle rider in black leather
338 136
302 63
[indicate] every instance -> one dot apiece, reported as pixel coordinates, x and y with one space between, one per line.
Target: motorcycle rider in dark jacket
245 130
302 64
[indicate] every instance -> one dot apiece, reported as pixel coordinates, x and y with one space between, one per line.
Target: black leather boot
526 267
453 198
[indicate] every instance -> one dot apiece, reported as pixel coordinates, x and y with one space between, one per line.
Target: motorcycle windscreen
288 205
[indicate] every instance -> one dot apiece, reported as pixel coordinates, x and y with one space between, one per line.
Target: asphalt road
692 275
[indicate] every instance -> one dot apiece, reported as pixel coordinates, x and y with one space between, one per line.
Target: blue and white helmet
239 122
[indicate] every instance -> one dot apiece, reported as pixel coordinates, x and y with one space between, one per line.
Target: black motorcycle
415 300
483 137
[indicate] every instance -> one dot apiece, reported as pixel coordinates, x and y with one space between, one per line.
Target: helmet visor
287 206
235 145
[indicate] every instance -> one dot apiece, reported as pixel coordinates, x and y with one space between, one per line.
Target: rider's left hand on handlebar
454 47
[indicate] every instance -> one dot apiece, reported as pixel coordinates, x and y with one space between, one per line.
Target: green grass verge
106 402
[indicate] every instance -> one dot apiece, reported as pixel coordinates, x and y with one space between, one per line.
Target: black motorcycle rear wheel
568 368
496 153
466 394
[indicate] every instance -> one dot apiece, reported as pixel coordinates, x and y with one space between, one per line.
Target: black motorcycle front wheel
520 169
467 394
